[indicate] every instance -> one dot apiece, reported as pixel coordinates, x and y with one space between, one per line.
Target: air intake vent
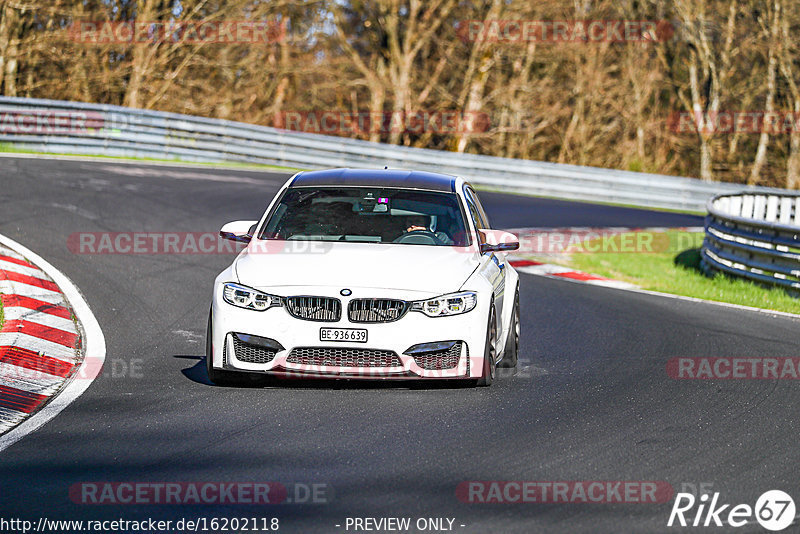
315 308
439 360
344 357
376 310
252 353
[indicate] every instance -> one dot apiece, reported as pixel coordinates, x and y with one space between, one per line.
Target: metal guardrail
78 128
755 237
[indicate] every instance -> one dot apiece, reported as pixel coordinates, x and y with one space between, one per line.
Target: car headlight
249 298
446 305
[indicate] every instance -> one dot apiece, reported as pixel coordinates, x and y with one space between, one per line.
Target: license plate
357 335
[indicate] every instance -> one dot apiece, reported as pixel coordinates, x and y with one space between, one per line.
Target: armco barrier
755 236
78 128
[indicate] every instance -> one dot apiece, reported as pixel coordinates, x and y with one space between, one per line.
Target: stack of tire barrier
755 236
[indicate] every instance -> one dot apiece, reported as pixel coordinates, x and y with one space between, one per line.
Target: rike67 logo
774 510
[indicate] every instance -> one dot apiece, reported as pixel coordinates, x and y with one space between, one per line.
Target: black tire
217 376
489 351
511 351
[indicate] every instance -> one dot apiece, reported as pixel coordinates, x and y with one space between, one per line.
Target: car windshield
368 215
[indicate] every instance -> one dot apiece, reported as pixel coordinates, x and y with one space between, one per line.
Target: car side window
478 213
473 211
483 213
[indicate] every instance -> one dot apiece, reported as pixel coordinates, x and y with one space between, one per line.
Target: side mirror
497 241
241 231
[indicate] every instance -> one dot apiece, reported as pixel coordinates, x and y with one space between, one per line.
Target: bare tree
770 24
11 29
709 68
788 60
482 58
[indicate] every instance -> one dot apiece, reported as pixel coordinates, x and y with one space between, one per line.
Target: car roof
404 179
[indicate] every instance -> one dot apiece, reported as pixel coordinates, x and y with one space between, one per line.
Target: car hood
430 269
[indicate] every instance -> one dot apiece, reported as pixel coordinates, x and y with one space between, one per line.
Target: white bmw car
375 274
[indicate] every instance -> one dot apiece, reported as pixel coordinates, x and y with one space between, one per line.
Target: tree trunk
769 107
9 49
706 159
577 116
141 57
400 105
377 99
786 62
475 99
3 40
704 130
793 162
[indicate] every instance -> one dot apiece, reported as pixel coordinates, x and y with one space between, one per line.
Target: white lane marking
28 380
21 269
53 321
543 269
35 292
607 230
93 341
609 283
762 311
179 164
179 175
42 346
190 337
76 210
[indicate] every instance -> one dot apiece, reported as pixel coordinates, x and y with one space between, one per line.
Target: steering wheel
418 237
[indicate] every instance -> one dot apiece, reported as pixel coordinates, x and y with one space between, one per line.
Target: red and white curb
51 346
554 241
557 271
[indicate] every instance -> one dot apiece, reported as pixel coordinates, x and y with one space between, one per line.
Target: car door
493 264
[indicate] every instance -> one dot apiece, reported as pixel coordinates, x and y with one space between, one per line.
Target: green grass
12 149
675 269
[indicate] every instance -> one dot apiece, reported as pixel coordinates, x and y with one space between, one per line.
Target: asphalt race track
591 399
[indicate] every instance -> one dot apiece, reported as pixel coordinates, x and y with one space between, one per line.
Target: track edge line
752 309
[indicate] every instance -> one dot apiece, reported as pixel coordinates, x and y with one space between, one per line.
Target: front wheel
490 351
511 352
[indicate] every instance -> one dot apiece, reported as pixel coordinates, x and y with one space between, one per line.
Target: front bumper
285 345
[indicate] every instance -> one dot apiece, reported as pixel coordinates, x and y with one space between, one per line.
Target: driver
417 223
